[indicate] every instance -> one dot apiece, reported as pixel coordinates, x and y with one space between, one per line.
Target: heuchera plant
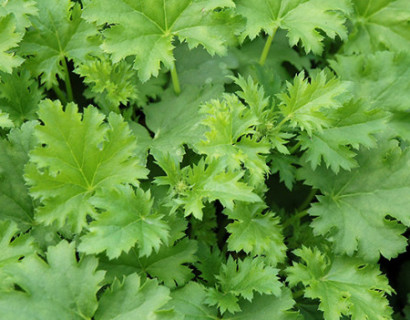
204 159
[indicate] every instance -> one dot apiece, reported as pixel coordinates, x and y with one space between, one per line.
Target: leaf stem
298 294
266 48
175 80
67 81
307 200
295 147
291 219
60 94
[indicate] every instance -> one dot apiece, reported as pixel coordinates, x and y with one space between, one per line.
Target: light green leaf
58 33
21 10
9 39
255 233
126 220
379 25
158 23
345 286
353 210
190 187
60 288
305 102
78 157
130 299
301 19
5 121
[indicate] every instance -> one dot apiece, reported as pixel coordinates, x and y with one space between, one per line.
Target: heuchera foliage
204 159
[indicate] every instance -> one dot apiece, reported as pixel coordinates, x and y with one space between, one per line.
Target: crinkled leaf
158 23
126 220
301 19
344 286
78 156
353 210
255 233
305 102
129 299
60 288
190 187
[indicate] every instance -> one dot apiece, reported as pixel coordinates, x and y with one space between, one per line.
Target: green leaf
352 127
130 299
5 121
15 202
242 278
353 210
305 102
189 301
158 23
284 165
190 187
9 39
176 120
255 233
60 288
19 95
301 19
390 92
345 286
126 220
379 25
265 307
58 33
76 158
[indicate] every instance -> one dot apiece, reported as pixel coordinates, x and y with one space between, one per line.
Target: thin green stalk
60 94
175 80
292 219
266 48
308 200
298 294
67 82
295 147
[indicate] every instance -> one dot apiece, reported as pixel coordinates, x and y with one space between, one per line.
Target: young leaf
78 157
345 286
21 10
130 299
158 23
352 213
305 101
70 285
302 20
192 186
127 220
